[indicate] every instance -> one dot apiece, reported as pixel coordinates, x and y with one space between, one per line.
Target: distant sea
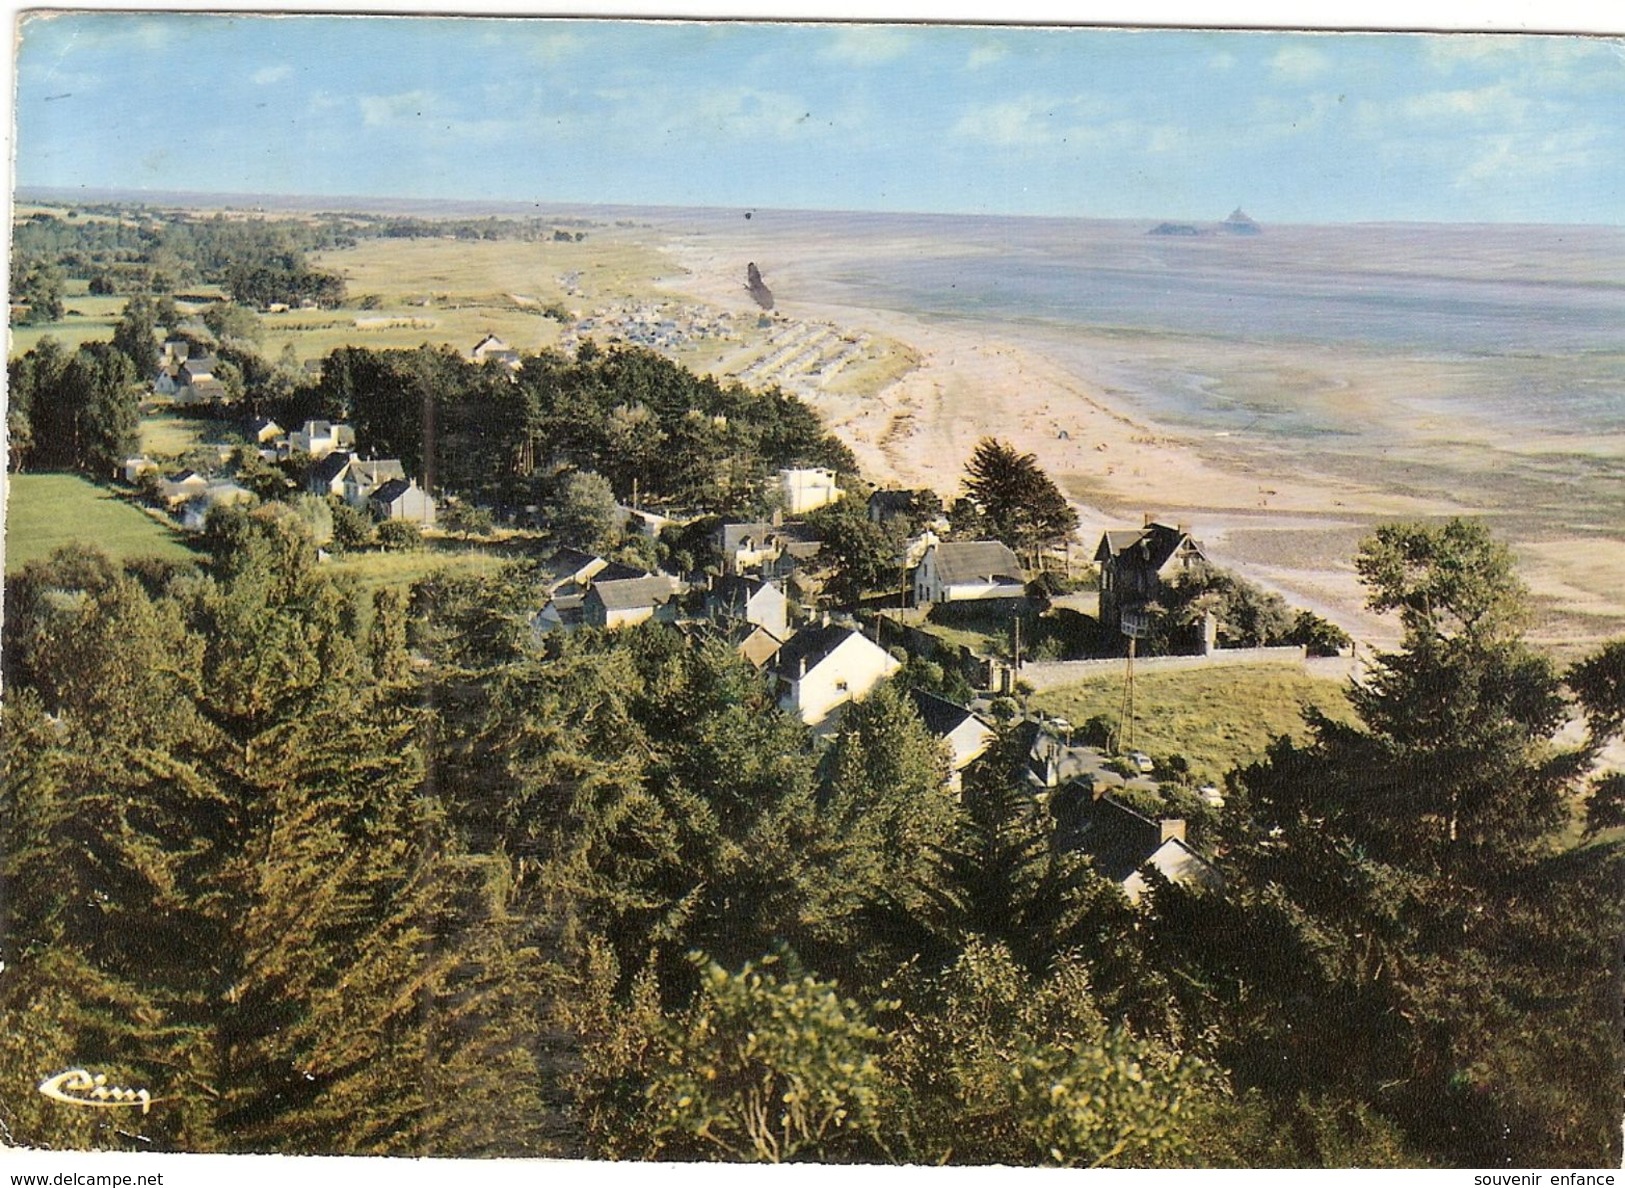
1549 301
1529 321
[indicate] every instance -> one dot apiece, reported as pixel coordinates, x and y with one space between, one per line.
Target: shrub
399 536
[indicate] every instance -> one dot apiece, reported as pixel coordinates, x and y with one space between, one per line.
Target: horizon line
296 203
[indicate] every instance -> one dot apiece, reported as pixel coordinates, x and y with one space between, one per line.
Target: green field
1218 718
456 291
46 511
167 436
371 571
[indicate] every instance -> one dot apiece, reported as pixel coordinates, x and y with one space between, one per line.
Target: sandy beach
1282 519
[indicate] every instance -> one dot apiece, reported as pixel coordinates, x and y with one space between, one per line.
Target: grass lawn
165 435
1218 718
47 511
89 319
372 571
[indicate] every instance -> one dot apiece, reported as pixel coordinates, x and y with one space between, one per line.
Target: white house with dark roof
967 570
1120 843
966 735
363 476
177 488
626 602
326 475
321 438
492 349
749 600
403 499
823 669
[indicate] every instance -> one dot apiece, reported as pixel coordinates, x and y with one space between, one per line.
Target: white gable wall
849 673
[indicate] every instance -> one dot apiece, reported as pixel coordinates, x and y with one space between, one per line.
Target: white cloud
1497 102
746 112
1223 60
267 75
1448 51
1465 108
552 48
986 54
1298 63
1030 120
1292 115
862 45
1013 122
1494 158
381 110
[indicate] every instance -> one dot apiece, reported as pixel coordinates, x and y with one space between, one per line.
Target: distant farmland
46 511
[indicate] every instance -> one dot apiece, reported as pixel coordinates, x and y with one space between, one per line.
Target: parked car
1142 762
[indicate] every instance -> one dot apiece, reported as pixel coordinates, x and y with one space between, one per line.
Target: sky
1092 123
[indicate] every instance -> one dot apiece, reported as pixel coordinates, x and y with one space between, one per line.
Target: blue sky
1089 123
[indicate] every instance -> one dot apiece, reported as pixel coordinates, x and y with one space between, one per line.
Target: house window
840 686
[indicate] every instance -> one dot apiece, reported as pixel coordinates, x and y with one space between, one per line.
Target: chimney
778 517
1172 830
1184 529
1147 519
804 669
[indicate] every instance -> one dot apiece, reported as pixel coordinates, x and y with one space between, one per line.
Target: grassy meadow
1218 718
46 511
371 571
459 290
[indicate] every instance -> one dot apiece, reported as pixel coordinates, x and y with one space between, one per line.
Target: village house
763 547
749 600
568 577
806 489
326 475
568 565
759 647
642 521
1120 843
194 382
885 506
264 431
363 476
320 438
967 570
222 494
177 488
823 669
492 349
137 466
1135 564
626 602
403 499
966 736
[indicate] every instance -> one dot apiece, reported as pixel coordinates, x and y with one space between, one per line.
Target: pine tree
1022 506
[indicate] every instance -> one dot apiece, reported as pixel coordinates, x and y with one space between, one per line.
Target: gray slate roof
327 470
391 491
379 470
631 593
1151 545
941 716
962 562
812 644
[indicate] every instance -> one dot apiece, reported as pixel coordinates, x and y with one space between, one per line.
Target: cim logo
78 1087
